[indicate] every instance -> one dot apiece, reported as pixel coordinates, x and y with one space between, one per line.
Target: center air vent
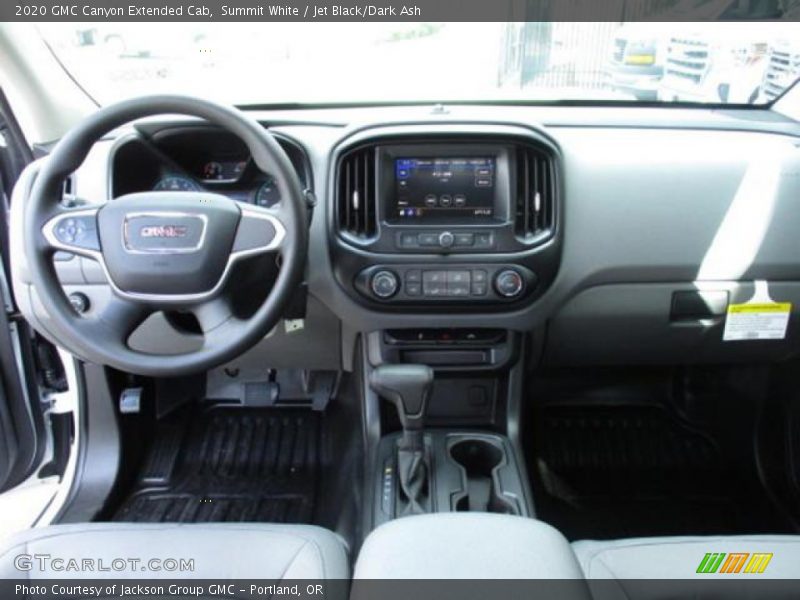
535 194
356 194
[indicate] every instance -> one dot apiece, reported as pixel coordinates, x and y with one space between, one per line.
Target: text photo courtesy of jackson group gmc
400 300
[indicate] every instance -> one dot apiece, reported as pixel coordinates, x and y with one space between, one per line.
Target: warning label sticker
757 321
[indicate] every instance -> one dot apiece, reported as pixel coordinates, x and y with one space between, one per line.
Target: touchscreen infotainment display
434 188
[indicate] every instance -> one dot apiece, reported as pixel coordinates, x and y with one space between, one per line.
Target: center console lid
466 546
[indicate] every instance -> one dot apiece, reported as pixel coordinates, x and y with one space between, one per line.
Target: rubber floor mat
623 471
230 464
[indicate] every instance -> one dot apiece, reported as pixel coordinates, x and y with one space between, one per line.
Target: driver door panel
21 420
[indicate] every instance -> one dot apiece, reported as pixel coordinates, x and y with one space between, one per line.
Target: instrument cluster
199 158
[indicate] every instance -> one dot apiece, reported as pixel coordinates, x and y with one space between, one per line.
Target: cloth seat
681 557
218 551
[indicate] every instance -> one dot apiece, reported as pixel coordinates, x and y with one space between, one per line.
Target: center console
428 469
462 220
467 472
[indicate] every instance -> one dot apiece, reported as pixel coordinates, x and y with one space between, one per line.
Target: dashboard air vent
535 194
356 194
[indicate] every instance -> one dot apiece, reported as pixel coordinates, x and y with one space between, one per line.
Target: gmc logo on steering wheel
163 231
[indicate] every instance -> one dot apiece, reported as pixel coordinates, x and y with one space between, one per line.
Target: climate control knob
509 283
384 284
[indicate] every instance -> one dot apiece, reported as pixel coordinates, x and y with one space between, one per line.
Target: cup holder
478 460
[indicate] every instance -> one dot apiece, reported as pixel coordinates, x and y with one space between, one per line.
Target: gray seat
466 546
681 557
218 551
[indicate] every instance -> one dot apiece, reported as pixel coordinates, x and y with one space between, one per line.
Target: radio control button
465 239
384 284
460 200
446 239
430 201
408 240
484 240
509 283
428 239
445 200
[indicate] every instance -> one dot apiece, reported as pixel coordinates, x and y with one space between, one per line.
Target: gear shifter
408 388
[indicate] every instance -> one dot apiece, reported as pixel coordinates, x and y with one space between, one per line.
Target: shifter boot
412 471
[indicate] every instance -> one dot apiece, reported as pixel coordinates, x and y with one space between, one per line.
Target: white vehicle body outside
716 64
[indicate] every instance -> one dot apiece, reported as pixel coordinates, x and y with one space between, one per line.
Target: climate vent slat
535 194
356 194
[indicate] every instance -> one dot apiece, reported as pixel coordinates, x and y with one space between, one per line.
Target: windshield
320 63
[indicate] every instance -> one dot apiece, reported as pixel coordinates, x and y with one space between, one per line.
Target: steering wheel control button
385 284
80 302
78 231
509 283
446 239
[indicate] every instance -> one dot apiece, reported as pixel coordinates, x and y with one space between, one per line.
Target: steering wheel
163 250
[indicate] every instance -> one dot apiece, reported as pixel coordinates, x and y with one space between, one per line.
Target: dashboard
598 231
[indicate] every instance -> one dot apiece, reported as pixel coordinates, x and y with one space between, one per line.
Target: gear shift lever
408 388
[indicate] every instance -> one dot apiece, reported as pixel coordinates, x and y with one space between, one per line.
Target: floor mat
623 471
230 464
